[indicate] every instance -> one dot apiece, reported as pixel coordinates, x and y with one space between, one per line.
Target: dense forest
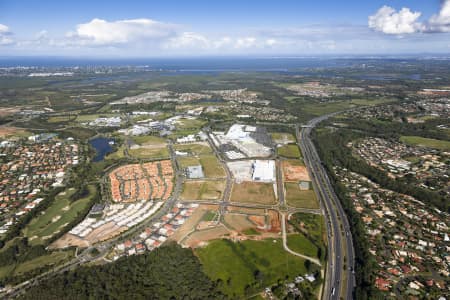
169 272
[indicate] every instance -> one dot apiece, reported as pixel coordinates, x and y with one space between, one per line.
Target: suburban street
339 282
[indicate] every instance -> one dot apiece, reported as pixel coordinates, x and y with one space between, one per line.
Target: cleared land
238 222
149 153
425 142
148 140
6 131
202 190
282 138
187 161
289 151
294 170
253 192
211 166
58 215
299 198
235 264
194 149
201 237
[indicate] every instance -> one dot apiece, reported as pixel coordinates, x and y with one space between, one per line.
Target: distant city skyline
211 28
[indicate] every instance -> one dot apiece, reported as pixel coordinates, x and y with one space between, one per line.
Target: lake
102 147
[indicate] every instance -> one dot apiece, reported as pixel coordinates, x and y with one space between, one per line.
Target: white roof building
264 170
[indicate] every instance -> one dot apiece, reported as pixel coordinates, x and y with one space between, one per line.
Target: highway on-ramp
339 280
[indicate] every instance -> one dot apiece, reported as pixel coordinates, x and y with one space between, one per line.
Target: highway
339 282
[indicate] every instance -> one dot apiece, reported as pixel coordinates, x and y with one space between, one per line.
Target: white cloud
101 32
440 22
389 21
5 35
246 42
187 40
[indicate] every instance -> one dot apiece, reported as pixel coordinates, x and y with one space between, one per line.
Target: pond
102 147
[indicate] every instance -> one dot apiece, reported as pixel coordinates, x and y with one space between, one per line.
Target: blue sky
198 27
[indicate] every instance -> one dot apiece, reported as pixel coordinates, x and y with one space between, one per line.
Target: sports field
248 263
253 192
56 216
298 198
202 190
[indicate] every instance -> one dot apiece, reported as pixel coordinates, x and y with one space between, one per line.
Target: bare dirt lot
202 190
238 222
8 131
293 172
69 240
191 223
200 237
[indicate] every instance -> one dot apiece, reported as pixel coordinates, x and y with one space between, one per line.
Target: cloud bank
389 21
5 35
100 32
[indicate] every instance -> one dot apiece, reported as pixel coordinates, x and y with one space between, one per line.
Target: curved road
339 281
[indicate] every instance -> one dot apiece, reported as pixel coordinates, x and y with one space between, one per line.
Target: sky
182 28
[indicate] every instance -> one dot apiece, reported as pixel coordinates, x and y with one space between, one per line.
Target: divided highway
339 279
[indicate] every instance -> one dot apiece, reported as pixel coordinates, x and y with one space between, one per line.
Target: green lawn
118 154
300 244
298 198
312 228
431 143
289 151
55 217
236 264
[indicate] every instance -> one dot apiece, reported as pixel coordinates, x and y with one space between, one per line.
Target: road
340 245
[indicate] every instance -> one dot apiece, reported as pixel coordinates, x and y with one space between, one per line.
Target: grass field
312 228
236 264
202 190
330 107
253 192
186 161
148 153
431 143
148 140
118 154
60 119
41 261
281 137
211 166
184 124
51 259
289 151
55 217
300 244
298 198
193 149
89 118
